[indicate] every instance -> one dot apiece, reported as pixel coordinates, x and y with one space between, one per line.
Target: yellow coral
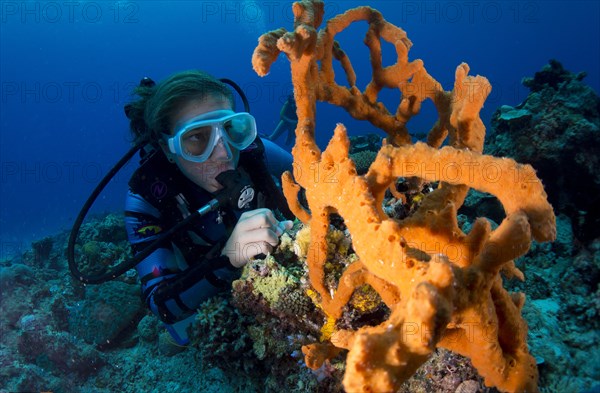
442 285
328 329
365 299
286 243
271 286
314 296
302 242
335 240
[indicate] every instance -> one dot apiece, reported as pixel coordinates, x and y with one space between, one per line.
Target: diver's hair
152 114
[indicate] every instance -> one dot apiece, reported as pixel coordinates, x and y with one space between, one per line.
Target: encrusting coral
443 286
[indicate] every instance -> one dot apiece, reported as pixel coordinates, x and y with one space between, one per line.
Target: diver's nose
220 152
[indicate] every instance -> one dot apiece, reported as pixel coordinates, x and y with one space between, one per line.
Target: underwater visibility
315 196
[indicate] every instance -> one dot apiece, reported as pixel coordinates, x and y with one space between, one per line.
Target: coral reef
556 130
277 329
109 309
363 150
56 351
446 372
220 334
363 160
53 327
563 314
34 296
42 249
261 337
38 353
102 246
456 299
275 297
147 328
257 346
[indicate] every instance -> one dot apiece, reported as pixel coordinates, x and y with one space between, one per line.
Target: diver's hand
256 232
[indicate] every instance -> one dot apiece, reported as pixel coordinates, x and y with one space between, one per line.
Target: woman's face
202 173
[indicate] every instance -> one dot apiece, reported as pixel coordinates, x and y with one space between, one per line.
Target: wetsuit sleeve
171 291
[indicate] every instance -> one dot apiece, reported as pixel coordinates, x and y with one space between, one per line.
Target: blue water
67 68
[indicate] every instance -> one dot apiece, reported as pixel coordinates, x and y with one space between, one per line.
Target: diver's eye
195 141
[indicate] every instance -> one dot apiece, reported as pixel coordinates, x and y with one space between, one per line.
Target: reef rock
557 130
107 310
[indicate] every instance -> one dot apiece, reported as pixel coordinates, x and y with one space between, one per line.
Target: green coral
212 312
91 250
264 343
96 256
220 334
362 160
274 283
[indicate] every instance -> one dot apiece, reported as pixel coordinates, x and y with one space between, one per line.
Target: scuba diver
288 121
198 147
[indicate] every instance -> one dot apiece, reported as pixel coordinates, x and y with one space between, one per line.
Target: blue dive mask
196 139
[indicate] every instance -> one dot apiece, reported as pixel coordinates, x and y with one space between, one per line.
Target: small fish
149 230
418 198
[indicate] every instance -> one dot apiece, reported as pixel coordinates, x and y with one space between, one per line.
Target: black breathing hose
239 91
81 216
